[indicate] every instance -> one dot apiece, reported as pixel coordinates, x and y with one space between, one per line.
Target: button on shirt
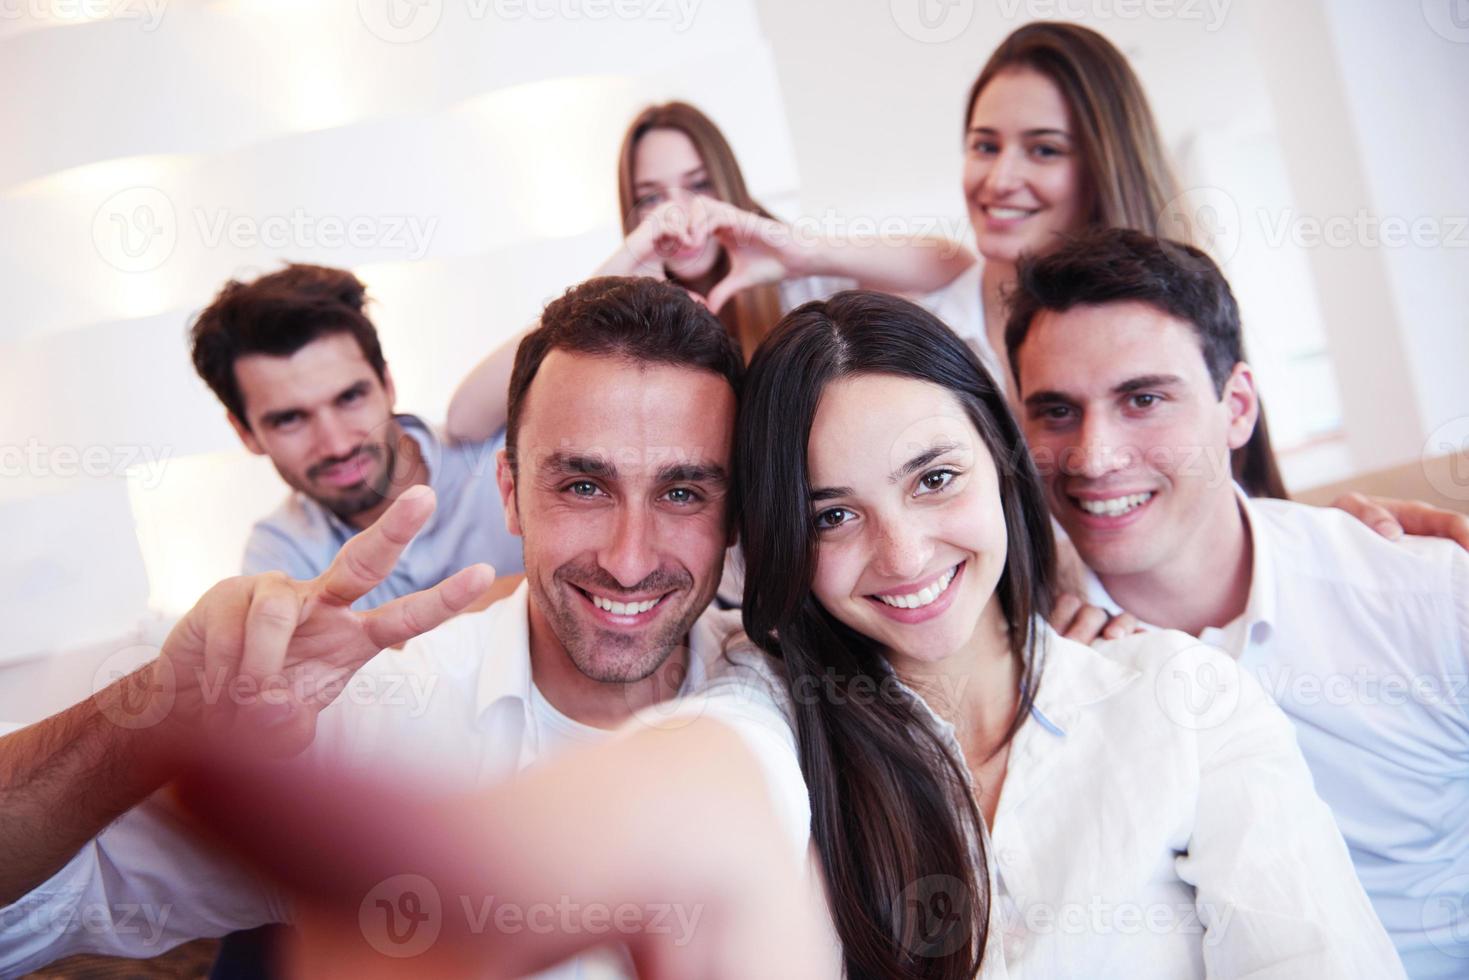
453 711
1364 643
468 524
1157 821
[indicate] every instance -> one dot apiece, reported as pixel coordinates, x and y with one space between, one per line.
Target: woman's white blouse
1157 820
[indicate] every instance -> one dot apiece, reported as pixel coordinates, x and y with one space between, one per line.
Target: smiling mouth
1007 214
615 607
923 597
1113 506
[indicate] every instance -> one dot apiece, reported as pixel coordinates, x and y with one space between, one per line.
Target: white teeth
1005 214
623 608
1115 507
921 598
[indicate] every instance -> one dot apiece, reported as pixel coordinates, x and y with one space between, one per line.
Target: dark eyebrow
916 463
921 460
279 415
989 130
579 464
1147 381
1048 398
710 473
683 176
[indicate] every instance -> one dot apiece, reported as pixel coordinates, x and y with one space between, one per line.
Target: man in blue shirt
299 369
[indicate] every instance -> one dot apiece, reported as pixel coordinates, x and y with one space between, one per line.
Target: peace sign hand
272 652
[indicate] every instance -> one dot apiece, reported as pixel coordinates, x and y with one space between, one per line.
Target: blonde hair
749 316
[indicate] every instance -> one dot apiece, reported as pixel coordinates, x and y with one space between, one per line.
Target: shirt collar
1074 676
505 671
1262 603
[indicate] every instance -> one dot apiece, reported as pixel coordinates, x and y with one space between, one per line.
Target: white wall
472 141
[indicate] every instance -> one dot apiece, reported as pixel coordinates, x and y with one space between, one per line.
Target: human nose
903 550
628 554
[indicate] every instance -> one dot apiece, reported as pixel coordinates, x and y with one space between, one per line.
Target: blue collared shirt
302 537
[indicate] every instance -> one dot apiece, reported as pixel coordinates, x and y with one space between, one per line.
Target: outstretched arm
241 657
667 837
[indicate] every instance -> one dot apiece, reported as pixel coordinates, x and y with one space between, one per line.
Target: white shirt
960 305
1157 821
453 711
1364 643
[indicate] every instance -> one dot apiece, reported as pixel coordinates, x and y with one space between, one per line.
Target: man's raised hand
271 652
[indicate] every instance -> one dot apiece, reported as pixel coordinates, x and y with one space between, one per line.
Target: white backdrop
459 154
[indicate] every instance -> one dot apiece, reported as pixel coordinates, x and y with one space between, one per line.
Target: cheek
838 566
975 169
1062 188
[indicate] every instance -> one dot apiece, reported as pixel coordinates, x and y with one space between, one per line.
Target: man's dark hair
643 320
1117 265
278 314
1114 265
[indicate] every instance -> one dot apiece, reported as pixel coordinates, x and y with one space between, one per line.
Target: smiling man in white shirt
1127 356
618 491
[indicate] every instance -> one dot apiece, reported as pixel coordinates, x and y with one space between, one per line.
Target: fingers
407 617
1064 611
225 610
1426 520
275 611
367 558
1121 625
1371 513
1088 624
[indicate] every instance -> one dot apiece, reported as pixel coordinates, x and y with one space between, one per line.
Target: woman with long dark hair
900 565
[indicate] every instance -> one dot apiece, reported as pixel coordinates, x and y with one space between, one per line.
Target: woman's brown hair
892 816
1127 180
749 316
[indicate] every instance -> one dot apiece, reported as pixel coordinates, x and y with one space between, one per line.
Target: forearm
671 828
64 779
480 404
919 264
